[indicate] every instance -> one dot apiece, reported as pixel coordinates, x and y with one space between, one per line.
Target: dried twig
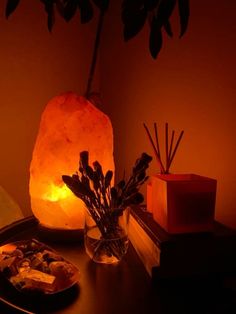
156 149
175 149
169 151
167 144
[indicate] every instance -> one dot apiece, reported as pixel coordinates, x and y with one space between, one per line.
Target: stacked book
168 256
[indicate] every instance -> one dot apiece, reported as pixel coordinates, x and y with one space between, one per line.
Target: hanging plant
134 13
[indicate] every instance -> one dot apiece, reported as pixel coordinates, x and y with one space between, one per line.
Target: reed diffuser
170 147
180 203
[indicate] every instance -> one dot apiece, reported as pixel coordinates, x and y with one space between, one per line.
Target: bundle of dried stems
170 149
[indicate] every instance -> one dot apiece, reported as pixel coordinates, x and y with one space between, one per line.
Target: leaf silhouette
168 29
11 6
134 15
102 4
164 11
130 7
151 4
86 11
60 7
70 9
51 16
183 15
49 8
155 39
135 24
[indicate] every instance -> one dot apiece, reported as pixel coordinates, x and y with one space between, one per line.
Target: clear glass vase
106 239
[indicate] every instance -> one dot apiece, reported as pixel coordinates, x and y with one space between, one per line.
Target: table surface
123 288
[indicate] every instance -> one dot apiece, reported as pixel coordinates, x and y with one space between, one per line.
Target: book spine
147 250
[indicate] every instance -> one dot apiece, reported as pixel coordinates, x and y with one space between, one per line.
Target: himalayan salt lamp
69 125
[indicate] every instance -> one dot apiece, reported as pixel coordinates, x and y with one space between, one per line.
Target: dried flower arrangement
94 188
105 203
170 150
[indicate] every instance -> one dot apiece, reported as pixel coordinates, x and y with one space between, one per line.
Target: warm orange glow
69 125
56 193
7 248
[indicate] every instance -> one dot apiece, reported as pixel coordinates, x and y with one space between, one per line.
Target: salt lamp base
61 235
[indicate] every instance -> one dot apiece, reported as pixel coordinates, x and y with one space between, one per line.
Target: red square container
182 203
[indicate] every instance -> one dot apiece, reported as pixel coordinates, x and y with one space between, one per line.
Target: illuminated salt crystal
69 125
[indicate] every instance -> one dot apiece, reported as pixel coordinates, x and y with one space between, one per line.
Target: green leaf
130 7
134 15
151 4
164 11
102 4
155 39
86 11
183 15
70 9
168 29
51 17
11 6
60 7
135 24
49 8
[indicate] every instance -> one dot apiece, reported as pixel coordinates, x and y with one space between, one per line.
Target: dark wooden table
125 288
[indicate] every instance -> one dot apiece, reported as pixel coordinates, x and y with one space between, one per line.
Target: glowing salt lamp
69 124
